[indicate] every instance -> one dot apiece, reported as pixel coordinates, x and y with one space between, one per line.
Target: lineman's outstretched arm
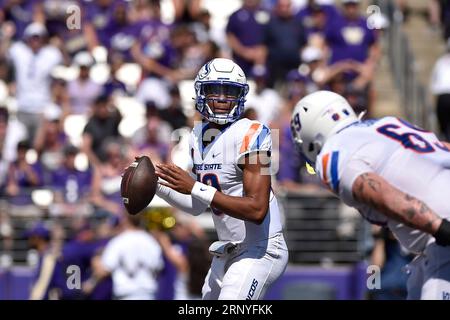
374 191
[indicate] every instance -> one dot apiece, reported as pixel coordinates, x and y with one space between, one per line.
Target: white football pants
247 271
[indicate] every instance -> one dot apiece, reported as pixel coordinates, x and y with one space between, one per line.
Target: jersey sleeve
257 137
339 170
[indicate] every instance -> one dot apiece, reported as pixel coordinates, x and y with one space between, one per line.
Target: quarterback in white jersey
394 173
231 169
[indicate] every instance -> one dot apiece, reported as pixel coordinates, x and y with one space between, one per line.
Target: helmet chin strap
361 115
221 119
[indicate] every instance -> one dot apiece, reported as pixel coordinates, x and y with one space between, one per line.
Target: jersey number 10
212 180
410 140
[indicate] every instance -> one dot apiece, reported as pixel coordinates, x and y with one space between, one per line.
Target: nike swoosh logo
215 155
202 189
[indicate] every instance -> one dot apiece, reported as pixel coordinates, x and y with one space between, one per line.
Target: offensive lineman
395 174
231 161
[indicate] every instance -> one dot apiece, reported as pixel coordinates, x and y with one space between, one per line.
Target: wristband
442 236
203 192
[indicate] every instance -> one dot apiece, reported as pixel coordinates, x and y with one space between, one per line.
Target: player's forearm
414 212
374 191
243 208
184 202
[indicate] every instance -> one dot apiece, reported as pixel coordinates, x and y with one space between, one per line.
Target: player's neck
214 125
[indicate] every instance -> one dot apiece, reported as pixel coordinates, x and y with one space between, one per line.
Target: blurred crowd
439 18
81 96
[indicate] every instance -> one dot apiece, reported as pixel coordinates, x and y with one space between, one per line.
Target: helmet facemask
220 102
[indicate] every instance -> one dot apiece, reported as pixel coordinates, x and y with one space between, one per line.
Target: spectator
265 101
245 33
121 32
133 259
283 40
57 19
22 13
175 260
349 37
78 251
440 87
314 17
174 115
86 244
205 31
71 186
292 174
144 10
313 68
106 229
96 16
83 91
156 149
49 144
11 133
107 178
189 55
22 177
199 259
250 114
297 86
46 279
102 126
33 62
113 86
155 91
154 52
358 88
60 98
155 135
186 11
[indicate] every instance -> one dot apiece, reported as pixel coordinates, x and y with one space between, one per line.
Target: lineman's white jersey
409 158
217 165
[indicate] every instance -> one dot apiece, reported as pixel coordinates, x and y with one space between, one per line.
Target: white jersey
411 159
217 165
134 258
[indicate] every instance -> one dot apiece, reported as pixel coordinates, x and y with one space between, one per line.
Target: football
138 186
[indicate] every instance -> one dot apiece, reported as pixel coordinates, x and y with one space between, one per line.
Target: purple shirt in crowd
154 41
73 184
349 39
24 196
121 38
168 276
305 15
99 17
290 170
56 279
248 27
20 14
80 253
